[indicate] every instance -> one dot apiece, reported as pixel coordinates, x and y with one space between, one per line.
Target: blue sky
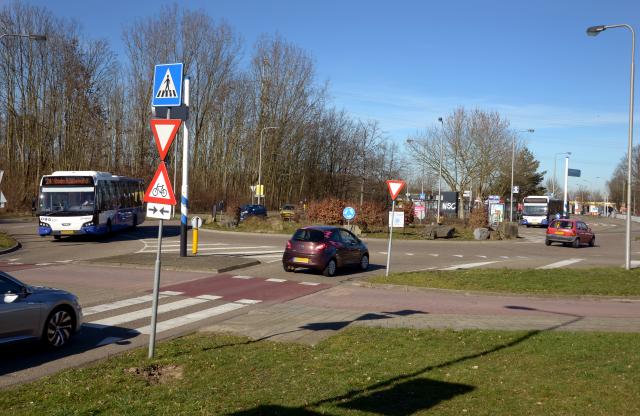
406 63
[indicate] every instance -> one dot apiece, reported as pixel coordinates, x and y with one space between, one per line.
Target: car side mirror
10 297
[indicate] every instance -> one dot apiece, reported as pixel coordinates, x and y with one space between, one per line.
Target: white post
565 210
184 197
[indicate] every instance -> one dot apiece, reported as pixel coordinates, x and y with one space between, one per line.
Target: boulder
431 232
508 230
354 229
481 233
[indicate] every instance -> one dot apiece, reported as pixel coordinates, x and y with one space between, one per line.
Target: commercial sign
396 219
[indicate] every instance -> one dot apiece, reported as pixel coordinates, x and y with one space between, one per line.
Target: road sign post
394 189
184 190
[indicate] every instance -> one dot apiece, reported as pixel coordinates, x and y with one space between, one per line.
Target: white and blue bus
539 210
88 202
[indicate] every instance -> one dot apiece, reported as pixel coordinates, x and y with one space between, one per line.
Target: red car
570 231
324 248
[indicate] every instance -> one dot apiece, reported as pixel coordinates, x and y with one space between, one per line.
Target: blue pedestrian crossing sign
349 213
167 85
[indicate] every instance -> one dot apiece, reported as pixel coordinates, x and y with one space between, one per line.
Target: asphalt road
117 299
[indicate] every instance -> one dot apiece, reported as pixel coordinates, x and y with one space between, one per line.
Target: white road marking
409 254
92 310
382 252
421 270
309 283
467 265
276 280
146 313
458 255
504 257
242 277
64 261
43 264
635 263
248 301
434 254
15 259
209 297
14 263
560 264
192 317
484 257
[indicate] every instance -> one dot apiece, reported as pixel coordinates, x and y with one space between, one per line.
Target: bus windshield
534 210
74 202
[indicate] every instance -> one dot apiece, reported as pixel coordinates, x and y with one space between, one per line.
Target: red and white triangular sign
394 187
160 190
164 131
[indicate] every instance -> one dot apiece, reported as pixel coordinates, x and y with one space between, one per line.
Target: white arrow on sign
159 211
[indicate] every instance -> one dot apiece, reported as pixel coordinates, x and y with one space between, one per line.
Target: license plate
560 232
66 232
300 260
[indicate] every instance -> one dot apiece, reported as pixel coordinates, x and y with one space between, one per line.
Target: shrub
478 217
329 211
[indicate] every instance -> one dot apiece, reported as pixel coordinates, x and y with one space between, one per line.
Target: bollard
196 222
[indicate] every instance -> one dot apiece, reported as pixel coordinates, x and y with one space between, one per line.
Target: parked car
31 312
250 210
288 212
569 231
325 248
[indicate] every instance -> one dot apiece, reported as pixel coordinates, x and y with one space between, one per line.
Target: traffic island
172 261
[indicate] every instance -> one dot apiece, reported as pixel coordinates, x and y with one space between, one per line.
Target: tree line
65 105
71 103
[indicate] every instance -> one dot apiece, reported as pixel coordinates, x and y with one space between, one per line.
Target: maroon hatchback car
325 248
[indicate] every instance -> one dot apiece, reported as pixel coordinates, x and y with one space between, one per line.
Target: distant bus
88 202
538 210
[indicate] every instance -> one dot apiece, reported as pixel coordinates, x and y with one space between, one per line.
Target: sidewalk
313 318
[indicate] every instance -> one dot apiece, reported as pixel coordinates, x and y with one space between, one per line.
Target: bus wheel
57 237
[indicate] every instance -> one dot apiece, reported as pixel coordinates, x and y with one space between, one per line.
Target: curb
11 249
171 268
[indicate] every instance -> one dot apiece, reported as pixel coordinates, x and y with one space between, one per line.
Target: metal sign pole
393 210
156 283
184 197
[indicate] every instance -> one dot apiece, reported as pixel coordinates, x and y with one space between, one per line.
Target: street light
555 178
260 163
513 158
32 36
440 172
593 31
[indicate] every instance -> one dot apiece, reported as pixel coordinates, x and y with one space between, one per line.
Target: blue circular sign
349 213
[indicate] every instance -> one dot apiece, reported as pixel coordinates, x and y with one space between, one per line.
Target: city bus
538 210
88 202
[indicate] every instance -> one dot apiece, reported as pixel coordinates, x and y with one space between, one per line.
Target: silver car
32 312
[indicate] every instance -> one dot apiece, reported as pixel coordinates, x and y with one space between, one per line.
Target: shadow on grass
407 393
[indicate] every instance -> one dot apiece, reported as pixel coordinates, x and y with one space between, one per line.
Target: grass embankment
6 241
600 282
360 371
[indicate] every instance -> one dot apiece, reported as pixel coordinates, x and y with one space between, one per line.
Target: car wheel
289 269
58 328
330 269
547 242
364 262
135 222
576 242
593 241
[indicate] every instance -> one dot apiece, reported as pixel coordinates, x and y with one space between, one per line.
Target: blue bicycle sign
349 213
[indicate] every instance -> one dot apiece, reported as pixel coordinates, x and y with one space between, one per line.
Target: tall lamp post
593 31
259 188
513 158
555 162
440 172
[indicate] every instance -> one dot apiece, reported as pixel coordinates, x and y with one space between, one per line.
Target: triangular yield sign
394 187
160 190
167 88
164 131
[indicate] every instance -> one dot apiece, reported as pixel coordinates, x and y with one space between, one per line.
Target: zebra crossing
264 253
189 303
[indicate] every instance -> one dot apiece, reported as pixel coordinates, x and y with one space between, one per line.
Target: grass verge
6 241
360 371
600 282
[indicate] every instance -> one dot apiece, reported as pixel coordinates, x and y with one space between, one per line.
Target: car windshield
562 224
534 210
288 207
314 236
66 203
